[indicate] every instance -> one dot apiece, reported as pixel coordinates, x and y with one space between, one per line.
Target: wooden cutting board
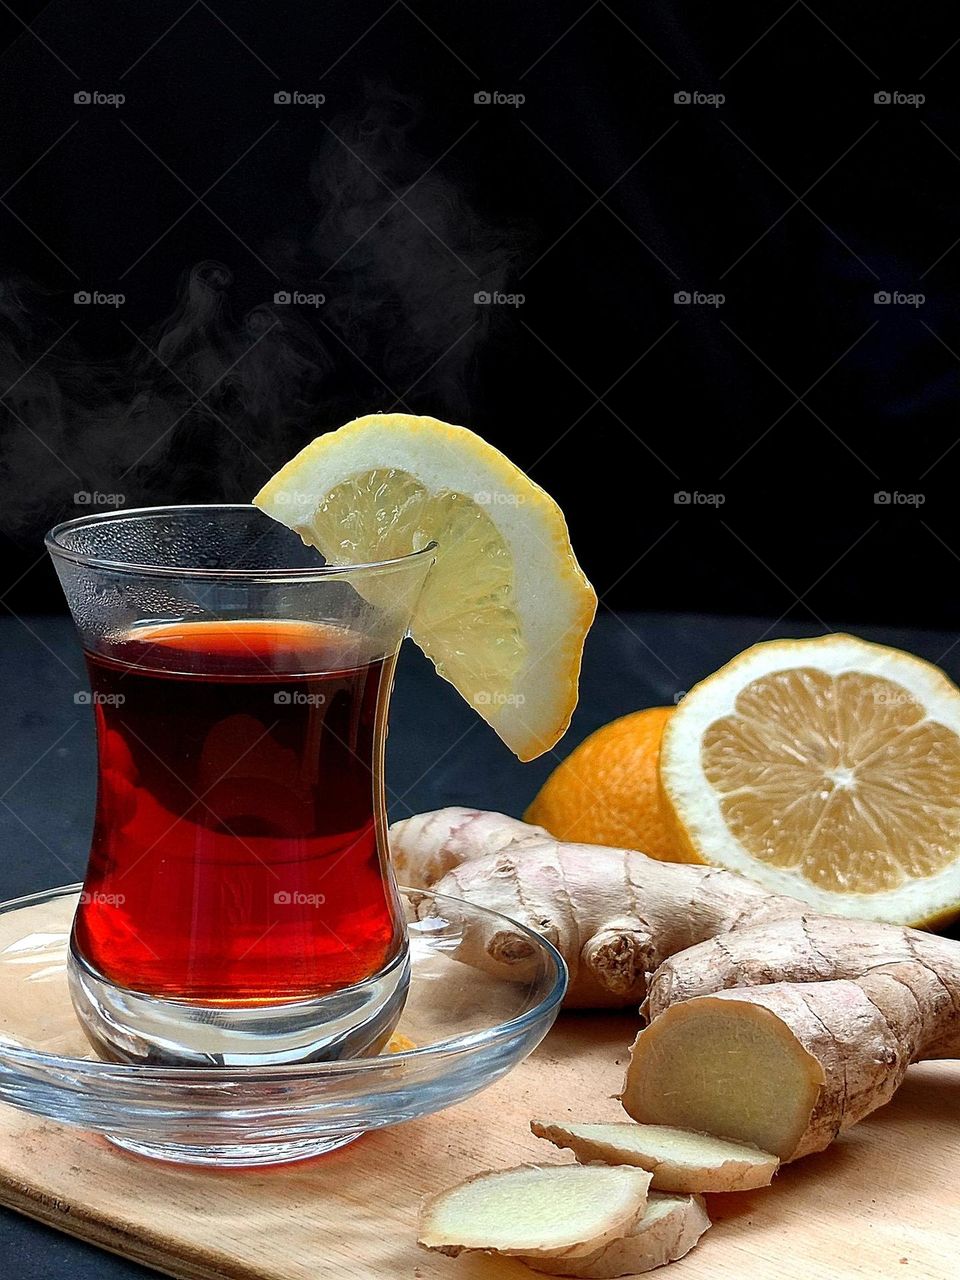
883 1202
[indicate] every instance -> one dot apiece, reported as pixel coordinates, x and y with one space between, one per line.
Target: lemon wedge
506 608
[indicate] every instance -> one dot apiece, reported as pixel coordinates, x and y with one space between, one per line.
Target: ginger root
547 1213
789 1065
680 1161
837 1009
668 1230
613 914
427 846
808 948
769 1024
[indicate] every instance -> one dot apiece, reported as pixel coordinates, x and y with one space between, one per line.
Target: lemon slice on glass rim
825 769
505 610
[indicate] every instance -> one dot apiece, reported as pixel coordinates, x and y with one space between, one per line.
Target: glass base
236 1155
133 1027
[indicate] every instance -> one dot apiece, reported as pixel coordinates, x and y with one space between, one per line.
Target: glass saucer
470 1020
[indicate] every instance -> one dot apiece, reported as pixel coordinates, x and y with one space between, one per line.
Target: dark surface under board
439 753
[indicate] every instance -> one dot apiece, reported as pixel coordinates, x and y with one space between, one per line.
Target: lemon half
506 608
826 769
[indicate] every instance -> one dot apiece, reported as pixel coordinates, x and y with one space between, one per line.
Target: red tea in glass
239 906
235 853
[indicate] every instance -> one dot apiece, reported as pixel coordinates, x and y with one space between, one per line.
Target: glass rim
86 560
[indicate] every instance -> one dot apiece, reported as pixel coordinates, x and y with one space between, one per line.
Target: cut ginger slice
680 1160
718 1064
546 1212
827 770
668 1230
505 609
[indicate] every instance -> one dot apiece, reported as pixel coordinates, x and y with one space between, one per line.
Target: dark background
795 401
798 198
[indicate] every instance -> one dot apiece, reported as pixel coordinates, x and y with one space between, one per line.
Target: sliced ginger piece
679 1159
726 1065
548 1212
668 1230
